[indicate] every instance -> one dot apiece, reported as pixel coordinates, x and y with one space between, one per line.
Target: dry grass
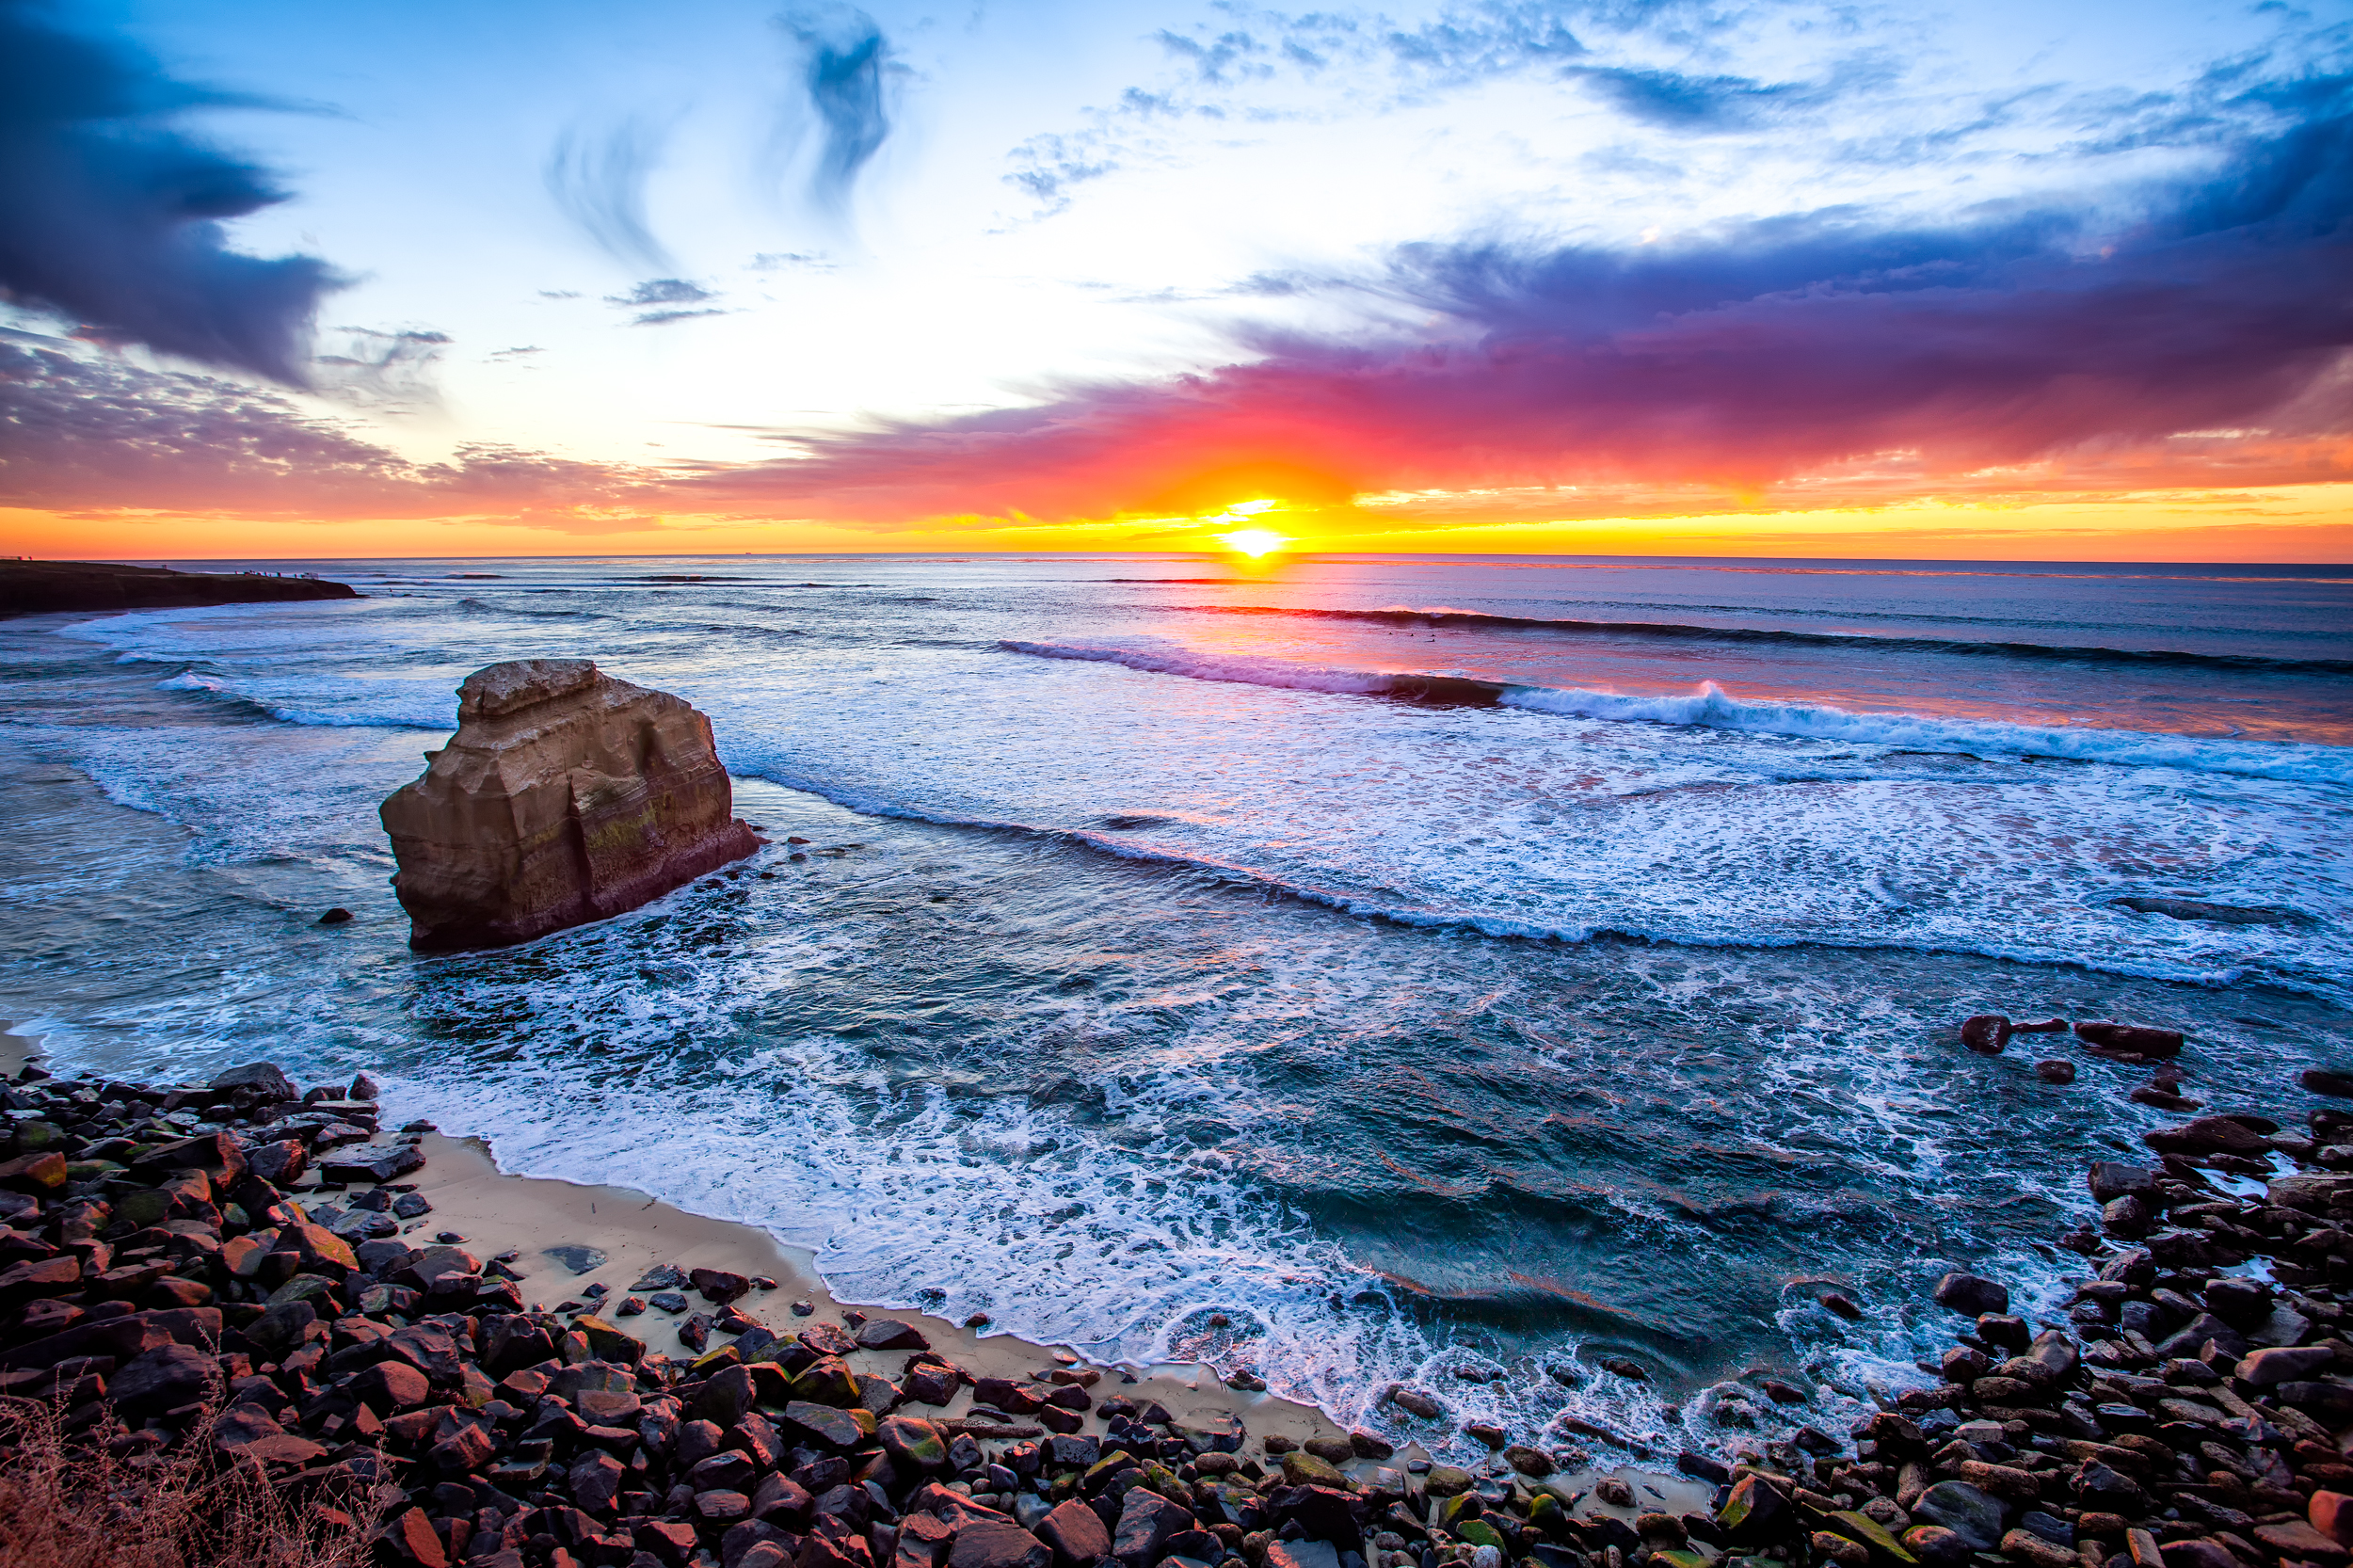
66 1506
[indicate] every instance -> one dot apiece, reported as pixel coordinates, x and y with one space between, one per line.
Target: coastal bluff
565 796
47 587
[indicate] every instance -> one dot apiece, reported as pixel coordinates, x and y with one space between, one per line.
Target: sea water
1456 972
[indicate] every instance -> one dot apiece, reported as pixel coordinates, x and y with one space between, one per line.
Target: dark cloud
843 57
1680 103
113 219
1738 359
599 181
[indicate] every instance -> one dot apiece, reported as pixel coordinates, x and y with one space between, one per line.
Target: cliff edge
565 796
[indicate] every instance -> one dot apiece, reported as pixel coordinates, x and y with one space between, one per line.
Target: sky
2063 280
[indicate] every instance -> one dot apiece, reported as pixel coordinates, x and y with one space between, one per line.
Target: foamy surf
1709 706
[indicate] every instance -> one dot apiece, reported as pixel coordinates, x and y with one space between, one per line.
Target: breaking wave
1709 706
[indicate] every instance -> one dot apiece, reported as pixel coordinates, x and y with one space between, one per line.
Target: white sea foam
1709 706
1211 666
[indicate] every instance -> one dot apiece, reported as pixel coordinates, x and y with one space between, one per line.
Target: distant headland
36 588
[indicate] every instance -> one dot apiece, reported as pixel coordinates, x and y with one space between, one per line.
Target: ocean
1459 972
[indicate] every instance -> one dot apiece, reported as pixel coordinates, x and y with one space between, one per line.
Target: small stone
2054 1070
337 916
1611 1490
1486 1432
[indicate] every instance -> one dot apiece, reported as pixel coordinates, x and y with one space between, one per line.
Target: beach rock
1986 1033
1965 1510
2329 1080
2331 1514
2112 1180
1972 1296
2054 1070
1936 1546
262 1080
890 1334
2268 1368
998 1544
2208 1135
1076 1534
162 1379
565 796
2132 1037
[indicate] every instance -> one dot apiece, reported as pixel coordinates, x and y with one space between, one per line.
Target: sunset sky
2019 279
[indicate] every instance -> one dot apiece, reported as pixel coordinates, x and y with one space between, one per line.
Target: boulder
2112 1180
565 796
2132 1037
1076 1534
2286 1364
266 1082
1985 1033
2208 1135
1965 1510
1973 1295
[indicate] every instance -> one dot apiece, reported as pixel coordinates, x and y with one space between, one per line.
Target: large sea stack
565 796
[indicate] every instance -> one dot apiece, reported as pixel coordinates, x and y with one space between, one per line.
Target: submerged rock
565 796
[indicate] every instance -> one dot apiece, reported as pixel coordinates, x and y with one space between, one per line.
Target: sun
1257 543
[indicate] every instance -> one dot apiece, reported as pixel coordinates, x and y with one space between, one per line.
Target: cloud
390 372
665 291
843 55
599 182
1734 360
88 434
662 291
1676 101
112 218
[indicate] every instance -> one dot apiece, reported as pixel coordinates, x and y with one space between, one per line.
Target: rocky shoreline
258 1276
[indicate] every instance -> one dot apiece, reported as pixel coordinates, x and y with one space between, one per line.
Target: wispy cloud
843 57
598 180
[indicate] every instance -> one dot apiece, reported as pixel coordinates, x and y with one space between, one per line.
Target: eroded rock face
565 796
